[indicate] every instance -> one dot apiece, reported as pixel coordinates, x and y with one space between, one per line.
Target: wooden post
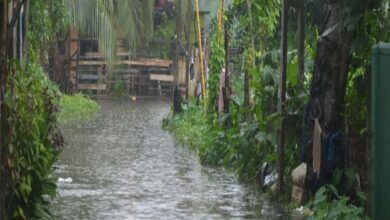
301 44
189 19
201 54
282 98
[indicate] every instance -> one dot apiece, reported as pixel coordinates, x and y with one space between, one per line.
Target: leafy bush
328 204
78 106
189 127
32 142
240 148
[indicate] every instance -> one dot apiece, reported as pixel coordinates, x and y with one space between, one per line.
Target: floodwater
124 166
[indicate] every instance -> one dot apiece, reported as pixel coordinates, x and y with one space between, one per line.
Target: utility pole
282 98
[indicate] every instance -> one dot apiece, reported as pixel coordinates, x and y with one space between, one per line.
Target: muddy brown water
124 166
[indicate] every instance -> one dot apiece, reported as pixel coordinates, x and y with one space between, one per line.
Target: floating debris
66 180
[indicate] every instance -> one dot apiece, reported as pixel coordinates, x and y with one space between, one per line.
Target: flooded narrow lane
124 166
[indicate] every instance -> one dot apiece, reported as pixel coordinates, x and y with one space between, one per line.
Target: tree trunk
25 29
328 85
11 14
3 70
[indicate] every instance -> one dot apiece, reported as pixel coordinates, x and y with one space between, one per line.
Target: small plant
118 89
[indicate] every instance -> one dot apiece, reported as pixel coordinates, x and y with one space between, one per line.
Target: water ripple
124 166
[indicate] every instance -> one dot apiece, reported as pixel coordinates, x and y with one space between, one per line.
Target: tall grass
76 107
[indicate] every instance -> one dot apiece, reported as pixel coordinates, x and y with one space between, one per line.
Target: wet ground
124 166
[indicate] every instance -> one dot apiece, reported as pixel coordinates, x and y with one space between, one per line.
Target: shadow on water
124 166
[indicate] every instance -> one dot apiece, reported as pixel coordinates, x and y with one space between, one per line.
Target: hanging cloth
192 71
317 148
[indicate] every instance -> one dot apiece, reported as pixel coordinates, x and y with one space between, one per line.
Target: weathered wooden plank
161 90
128 71
92 86
124 62
101 55
129 76
155 60
92 63
160 77
91 76
144 84
149 62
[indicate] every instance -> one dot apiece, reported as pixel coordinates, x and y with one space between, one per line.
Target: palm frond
105 19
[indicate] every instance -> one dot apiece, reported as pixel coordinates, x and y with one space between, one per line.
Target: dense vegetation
246 136
31 105
30 109
30 139
333 89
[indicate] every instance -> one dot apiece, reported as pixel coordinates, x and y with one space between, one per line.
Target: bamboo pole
220 15
201 54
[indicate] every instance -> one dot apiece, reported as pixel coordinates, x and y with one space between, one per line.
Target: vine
217 62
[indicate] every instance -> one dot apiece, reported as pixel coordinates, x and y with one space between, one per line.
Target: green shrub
189 127
32 142
78 106
329 204
240 148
